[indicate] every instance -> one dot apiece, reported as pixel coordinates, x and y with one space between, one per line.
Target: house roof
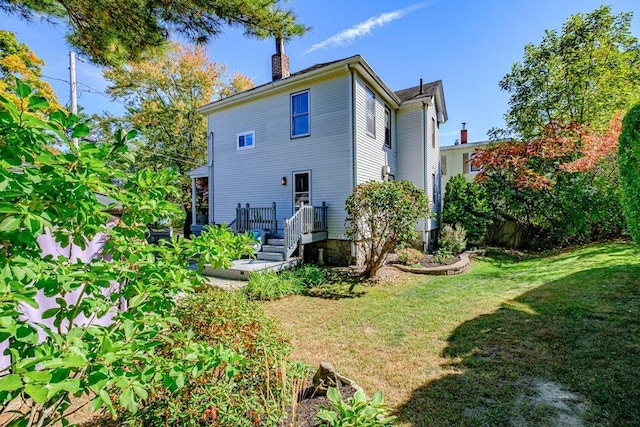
428 90
199 172
353 62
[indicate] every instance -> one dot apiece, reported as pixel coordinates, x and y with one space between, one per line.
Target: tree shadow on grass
340 285
566 353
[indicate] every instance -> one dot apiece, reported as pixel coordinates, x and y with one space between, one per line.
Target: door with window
301 189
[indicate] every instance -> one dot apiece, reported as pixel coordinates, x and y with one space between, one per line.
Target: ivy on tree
117 31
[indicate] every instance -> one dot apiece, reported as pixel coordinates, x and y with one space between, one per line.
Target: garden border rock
457 267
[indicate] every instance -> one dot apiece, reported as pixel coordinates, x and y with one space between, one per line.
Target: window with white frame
300 114
371 112
472 166
246 140
387 127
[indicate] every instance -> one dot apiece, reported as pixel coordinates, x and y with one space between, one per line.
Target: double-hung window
371 112
300 114
387 127
246 140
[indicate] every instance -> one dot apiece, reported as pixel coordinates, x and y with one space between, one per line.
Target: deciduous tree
383 216
562 187
71 352
581 75
162 94
17 60
115 31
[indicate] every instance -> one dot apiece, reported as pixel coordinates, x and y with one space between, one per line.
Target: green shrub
452 239
629 163
356 411
466 203
268 286
309 275
255 393
409 256
383 216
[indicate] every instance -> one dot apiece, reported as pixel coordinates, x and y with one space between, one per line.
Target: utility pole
74 92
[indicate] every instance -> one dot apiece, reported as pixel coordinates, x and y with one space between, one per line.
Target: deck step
275 242
270 256
273 248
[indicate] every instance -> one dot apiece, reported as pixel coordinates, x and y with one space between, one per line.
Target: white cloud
348 36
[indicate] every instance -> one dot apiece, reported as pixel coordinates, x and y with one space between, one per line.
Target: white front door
301 189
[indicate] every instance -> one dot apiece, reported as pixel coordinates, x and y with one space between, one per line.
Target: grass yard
552 340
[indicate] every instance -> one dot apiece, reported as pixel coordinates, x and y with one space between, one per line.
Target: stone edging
442 270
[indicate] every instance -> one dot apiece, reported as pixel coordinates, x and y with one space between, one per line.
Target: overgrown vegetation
252 388
466 203
268 285
86 343
451 243
480 346
383 216
629 162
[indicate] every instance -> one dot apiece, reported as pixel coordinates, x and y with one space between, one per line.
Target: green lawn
539 341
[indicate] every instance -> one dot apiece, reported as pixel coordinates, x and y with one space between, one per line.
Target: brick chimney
463 134
279 62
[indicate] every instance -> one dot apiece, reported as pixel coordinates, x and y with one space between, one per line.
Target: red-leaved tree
561 188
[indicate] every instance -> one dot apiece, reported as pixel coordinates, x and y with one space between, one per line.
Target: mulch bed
309 405
429 261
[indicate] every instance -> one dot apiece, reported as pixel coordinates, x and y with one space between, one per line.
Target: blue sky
468 44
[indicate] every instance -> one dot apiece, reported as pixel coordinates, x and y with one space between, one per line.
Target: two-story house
296 146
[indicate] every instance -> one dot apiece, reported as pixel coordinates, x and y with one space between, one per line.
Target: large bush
256 391
629 162
466 203
47 190
383 216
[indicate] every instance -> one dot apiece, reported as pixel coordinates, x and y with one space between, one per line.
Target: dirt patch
549 403
309 405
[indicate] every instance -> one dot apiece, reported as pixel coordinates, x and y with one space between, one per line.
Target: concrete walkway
226 284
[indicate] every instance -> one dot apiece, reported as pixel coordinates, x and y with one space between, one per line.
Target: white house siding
417 159
371 153
254 175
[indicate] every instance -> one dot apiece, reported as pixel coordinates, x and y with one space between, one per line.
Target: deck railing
308 219
250 218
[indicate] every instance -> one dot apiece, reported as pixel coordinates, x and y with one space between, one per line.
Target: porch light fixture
283 181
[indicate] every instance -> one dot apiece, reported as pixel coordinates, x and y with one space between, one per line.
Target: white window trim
253 138
368 92
308 114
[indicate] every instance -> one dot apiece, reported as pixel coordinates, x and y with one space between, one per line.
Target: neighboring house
457 159
294 148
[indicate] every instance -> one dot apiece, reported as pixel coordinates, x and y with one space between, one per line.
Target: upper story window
300 114
371 112
467 163
472 166
433 132
246 140
387 127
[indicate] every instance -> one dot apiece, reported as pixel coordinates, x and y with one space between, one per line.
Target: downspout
211 172
352 147
352 125
424 170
